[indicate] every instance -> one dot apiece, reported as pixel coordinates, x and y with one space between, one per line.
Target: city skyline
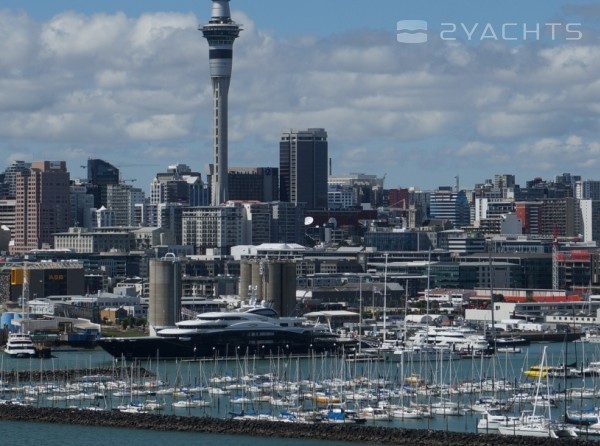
133 87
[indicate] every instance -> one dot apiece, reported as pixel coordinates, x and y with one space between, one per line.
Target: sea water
40 434
504 366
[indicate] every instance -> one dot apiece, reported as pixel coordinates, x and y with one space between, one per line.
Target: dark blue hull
227 344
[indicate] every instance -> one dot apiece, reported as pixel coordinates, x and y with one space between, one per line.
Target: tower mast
220 32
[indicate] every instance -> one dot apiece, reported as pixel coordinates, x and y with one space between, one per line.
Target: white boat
492 420
508 350
375 414
417 353
20 345
531 424
591 337
446 407
462 340
403 412
592 369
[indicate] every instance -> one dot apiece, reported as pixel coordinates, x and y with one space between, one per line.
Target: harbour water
30 434
504 367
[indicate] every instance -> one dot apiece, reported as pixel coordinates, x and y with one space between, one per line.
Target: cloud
158 127
475 148
556 153
110 85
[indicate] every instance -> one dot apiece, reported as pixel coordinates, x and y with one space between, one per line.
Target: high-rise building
178 185
101 174
81 203
530 215
587 190
254 183
256 223
212 228
590 220
122 198
10 177
42 205
367 189
287 221
504 181
560 213
220 32
303 161
7 213
446 204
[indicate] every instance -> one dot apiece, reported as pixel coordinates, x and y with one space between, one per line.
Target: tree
498 297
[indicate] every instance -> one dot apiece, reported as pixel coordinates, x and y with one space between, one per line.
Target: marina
449 395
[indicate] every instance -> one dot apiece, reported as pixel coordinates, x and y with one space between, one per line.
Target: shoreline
326 432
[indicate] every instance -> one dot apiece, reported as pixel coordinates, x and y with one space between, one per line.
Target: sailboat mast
385 297
428 285
492 299
360 311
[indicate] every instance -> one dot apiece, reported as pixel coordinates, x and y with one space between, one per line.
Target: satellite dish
308 221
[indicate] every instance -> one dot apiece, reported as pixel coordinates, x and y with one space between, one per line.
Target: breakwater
329 432
35 375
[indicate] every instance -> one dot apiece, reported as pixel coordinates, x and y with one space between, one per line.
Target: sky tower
220 32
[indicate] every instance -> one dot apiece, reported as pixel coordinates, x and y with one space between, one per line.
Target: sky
492 87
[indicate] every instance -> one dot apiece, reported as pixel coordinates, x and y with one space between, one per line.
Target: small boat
585 417
492 420
508 350
341 415
20 345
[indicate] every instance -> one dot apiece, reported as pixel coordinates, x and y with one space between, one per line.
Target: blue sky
128 82
319 17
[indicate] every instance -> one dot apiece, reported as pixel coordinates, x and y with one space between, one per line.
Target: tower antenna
220 32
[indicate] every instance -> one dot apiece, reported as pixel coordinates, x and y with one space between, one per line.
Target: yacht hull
228 343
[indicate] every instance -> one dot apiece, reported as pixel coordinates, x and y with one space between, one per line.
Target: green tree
498 297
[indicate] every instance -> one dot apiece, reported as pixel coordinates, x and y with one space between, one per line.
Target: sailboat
532 424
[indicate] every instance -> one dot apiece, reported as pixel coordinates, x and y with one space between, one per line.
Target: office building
101 174
303 161
42 205
254 184
446 204
122 198
179 184
212 229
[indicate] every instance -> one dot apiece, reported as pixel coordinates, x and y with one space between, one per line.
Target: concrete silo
279 284
288 296
257 279
165 293
245 278
272 281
